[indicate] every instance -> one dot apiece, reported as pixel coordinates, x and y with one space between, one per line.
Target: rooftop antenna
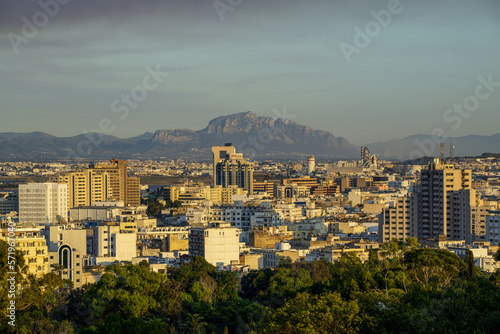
441 152
452 152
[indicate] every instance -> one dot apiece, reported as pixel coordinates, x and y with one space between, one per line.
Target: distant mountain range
417 146
255 136
258 137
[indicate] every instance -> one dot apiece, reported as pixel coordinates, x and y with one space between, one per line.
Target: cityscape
156 188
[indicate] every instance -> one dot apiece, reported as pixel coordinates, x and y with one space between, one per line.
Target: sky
330 64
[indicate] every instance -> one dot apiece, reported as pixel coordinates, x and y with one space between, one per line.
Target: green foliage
326 313
399 289
433 266
154 207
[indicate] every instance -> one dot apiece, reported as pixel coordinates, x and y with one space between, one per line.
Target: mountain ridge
255 136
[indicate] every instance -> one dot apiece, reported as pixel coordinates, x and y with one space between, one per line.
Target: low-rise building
218 243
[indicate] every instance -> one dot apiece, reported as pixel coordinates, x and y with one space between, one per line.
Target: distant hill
417 146
255 136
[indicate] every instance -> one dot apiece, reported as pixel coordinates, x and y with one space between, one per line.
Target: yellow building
100 183
33 247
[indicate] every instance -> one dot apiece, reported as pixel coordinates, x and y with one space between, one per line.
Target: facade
445 203
100 183
67 248
400 220
43 203
264 187
493 228
9 202
234 171
167 239
196 194
109 243
33 247
267 237
219 153
218 243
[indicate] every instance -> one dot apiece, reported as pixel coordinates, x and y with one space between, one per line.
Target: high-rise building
446 201
100 183
234 171
43 202
219 153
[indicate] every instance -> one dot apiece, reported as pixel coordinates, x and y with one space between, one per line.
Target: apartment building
445 203
33 246
218 243
400 220
100 183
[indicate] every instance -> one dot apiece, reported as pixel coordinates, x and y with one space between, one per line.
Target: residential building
493 227
33 247
100 183
218 243
400 220
444 212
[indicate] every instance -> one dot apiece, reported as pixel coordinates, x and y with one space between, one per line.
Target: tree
433 266
195 324
58 268
497 255
326 313
471 269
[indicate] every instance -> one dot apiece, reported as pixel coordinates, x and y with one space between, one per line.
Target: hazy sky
264 54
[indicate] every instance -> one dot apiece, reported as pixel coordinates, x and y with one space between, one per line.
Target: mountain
255 136
417 146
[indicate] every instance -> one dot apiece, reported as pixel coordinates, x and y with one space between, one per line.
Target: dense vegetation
400 289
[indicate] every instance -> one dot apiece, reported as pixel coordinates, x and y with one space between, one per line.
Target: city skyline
251 56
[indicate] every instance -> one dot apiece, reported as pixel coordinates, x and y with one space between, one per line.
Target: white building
218 243
109 243
311 165
43 202
67 247
493 228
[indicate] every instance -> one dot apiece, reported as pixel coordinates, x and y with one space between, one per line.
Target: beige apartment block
100 183
444 213
400 220
218 243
